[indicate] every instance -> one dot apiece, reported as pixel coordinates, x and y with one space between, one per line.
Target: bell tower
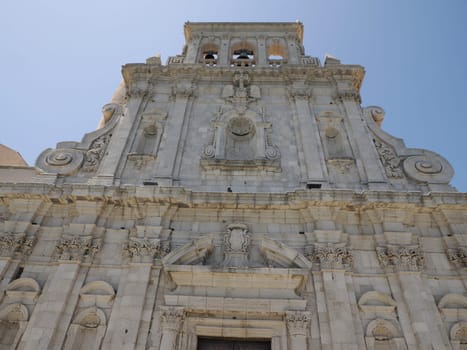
243 44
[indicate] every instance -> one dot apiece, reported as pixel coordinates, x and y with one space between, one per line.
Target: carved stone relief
330 256
139 248
70 157
297 322
240 136
95 153
390 160
401 258
236 246
458 256
77 248
15 243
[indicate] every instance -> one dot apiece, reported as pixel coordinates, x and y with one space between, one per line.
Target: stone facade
238 192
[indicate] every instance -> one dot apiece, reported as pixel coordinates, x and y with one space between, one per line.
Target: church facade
238 197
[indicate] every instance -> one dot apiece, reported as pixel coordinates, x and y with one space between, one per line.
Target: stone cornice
243 27
141 72
178 196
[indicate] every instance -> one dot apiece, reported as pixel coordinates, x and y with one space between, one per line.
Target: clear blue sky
61 60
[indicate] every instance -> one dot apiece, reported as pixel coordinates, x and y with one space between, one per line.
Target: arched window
243 54
276 54
209 54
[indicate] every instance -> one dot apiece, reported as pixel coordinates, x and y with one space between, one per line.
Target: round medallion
241 127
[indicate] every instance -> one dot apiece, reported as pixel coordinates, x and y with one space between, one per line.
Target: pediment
275 253
192 253
279 254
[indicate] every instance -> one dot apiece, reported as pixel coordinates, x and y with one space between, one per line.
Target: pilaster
171 140
308 134
171 322
127 311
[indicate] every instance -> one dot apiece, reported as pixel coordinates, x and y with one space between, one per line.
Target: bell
209 56
243 55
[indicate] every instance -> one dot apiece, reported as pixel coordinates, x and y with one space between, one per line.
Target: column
298 323
308 135
171 140
333 261
171 322
416 304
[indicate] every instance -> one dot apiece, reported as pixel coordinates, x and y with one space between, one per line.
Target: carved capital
77 248
400 258
300 92
458 256
297 322
172 318
15 243
142 247
330 256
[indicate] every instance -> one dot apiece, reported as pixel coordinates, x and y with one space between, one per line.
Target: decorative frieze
77 248
401 258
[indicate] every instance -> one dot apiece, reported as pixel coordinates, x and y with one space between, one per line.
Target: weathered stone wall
137 267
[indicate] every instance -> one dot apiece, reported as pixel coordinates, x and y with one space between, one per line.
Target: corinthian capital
297 322
172 317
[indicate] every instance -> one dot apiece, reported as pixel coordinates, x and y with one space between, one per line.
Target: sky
61 61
